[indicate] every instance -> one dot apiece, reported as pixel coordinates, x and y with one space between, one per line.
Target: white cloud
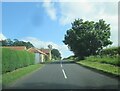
2 37
50 9
43 44
113 21
73 10
91 11
87 10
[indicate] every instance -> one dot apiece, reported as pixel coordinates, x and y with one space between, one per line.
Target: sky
46 22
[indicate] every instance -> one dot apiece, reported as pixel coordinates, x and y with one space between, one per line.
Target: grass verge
10 77
107 68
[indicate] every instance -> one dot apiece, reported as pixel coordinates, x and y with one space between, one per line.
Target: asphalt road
65 75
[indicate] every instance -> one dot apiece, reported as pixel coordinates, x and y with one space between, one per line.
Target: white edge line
64 73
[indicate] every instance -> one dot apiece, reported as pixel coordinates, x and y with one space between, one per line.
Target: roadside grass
10 77
108 68
0 79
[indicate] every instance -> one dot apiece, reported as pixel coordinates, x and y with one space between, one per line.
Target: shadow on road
60 86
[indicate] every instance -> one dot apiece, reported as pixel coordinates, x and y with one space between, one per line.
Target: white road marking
64 74
61 64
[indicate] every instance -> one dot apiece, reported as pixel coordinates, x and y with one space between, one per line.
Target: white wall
42 57
37 58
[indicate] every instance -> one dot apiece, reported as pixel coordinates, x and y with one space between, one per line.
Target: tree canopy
55 54
87 37
16 42
50 47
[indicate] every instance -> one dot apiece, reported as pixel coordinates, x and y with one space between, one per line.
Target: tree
55 54
28 45
4 43
50 47
7 42
87 38
22 43
16 42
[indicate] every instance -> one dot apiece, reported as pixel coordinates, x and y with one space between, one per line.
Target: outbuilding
39 55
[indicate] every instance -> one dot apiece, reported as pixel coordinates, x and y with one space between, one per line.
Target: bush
13 59
111 51
105 59
108 56
46 58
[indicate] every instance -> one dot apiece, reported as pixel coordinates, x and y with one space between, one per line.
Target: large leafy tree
87 37
55 54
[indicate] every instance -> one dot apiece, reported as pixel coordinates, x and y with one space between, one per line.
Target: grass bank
107 68
10 77
104 63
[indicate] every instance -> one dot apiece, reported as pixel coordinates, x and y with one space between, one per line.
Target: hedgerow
111 51
105 59
14 59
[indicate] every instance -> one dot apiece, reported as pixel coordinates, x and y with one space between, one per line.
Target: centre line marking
64 74
61 65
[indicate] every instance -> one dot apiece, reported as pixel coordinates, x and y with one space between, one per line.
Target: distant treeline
14 59
15 42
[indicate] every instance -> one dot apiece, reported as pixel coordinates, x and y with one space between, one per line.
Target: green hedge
13 59
111 51
105 59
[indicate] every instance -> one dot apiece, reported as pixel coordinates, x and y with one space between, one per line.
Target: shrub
46 58
105 59
13 59
111 51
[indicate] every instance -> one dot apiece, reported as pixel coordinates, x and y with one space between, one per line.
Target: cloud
92 11
86 10
50 9
113 21
43 44
73 10
2 37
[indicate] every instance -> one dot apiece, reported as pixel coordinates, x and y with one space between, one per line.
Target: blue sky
27 19
44 23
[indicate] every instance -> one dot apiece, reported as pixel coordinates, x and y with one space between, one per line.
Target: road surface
65 75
